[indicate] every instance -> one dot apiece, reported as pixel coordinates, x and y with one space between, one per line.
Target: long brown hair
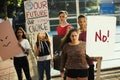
66 38
24 33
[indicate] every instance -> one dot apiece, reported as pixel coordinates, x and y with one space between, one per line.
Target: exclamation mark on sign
108 35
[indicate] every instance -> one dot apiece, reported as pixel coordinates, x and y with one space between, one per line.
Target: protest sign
101 36
8 43
37 16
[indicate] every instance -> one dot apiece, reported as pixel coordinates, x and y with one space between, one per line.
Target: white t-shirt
25 44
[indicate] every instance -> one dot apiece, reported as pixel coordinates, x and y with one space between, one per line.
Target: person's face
19 33
74 36
62 17
42 35
82 22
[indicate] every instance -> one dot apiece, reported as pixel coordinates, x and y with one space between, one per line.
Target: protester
43 52
63 26
82 21
73 57
20 60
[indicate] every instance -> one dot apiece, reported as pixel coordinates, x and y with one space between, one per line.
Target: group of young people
75 63
42 50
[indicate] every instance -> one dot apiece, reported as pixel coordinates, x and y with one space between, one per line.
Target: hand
52 63
26 51
96 58
62 74
11 58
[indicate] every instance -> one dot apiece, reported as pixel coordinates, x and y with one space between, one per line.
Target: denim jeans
44 66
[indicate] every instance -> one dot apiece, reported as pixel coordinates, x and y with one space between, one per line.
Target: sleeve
63 59
27 45
86 55
84 47
70 26
58 30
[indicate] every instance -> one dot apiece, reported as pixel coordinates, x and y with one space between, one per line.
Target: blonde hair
47 38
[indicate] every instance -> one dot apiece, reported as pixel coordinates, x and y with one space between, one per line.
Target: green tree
9 7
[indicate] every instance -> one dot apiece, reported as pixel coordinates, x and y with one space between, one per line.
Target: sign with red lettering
100 36
37 16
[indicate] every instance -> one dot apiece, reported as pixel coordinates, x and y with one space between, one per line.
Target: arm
57 29
63 61
51 51
27 47
68 28
37 49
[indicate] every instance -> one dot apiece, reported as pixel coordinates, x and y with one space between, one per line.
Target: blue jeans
44 66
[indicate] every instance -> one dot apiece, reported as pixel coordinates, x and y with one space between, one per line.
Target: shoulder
69 26
65 46
82 42
58 26
25 40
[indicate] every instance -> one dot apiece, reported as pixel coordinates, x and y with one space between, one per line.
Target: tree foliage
10 7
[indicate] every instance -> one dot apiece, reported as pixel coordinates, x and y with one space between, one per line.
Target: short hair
81 16
62 11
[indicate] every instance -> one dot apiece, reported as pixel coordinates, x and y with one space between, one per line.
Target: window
87 7
54 6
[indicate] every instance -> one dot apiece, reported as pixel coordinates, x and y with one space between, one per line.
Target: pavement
7 71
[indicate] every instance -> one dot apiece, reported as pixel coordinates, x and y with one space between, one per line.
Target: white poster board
37 16
101 36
